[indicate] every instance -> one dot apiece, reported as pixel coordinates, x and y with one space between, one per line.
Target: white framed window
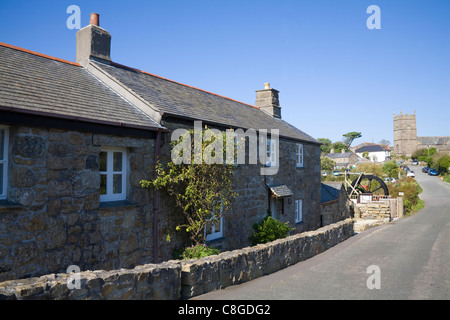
298 211
214 230
299 155
113 174
271 153
4 138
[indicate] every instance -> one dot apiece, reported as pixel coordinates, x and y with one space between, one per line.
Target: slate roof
281 191
339 155
179 100
370 148
329 191
34 83
433 140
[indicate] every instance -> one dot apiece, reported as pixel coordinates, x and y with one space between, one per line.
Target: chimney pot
267 85
95 19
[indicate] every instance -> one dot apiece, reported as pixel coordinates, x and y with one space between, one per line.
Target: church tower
405 134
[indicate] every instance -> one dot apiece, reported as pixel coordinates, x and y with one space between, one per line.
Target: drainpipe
156 199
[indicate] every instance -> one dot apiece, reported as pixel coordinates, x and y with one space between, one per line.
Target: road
408 258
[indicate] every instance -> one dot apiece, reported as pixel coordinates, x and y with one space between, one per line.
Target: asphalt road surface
408 258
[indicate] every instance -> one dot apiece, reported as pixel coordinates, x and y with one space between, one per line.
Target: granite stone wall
254 197
373 211
54 217
145 282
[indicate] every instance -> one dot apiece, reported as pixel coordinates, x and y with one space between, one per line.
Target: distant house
343 160
374 152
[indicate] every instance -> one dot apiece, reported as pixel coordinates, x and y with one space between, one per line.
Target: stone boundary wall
174 280
376 211
146 282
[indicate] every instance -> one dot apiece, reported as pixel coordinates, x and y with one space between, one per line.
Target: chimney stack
93 42
267 100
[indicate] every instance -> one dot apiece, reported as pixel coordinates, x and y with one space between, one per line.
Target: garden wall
183 279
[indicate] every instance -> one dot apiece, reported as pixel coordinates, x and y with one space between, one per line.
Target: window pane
117 161
117 183
217 225
274 153
103 184
208 227
2 143
103 157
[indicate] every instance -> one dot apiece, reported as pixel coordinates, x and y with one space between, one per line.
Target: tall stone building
405 134
406 141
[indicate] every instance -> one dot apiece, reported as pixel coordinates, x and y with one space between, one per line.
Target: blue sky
334 74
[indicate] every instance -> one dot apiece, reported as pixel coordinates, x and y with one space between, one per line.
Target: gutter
80 119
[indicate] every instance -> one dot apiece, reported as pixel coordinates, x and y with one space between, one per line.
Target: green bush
411 190
196 252
442 163
269 229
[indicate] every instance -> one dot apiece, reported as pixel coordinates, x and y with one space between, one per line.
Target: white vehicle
410 174
387 179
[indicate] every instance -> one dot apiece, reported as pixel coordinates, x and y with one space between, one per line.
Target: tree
338 146
203 192
421 154
327 164
326 145
390 168
384 142
350 136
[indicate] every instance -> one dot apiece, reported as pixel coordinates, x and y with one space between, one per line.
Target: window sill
7 205
215 240
117 204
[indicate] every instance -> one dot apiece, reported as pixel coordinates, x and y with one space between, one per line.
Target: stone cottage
344 160
72 154
76 139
